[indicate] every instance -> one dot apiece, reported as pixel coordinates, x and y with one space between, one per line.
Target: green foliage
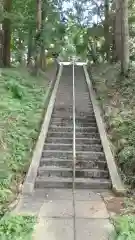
118 100
24 21
17 227
5 194
22 100
16 88
87 26
125 227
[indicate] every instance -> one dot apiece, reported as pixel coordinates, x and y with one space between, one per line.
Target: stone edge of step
87 183
56 161
59 169
93 153
29 181
117 184
87 141
66 146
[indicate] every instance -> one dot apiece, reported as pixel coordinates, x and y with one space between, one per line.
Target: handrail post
74 150
74 131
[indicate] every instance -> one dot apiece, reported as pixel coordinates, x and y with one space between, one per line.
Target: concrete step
87 164
53 182
59 146
91 183
85 116
59 140
55 171
83 98
70 125
64 111
82 94
68 163
68 114
89 147
70 134
70 140
70 120
88 111
68 147
92 156
59 107
54 128
91 173
80 183
58 171
60 104
86 125
57 154
69 154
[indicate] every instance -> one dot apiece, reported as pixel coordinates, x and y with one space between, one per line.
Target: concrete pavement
56 209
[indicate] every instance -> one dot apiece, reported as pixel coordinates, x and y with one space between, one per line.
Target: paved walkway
55 210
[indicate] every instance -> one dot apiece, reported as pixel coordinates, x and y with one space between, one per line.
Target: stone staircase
56 164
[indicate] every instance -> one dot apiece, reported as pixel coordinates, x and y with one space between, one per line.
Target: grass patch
22 103
17 227
125 227
117 99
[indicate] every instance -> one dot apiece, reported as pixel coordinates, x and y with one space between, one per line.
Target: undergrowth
17 227
117 98
22 102
125 227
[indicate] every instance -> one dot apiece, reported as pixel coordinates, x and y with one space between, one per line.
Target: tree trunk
7 34
20 48
124 38
29 55
1 45
42 58
92 49
118 29
106 30
38 34
1 36
39 14
112 20
42 50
